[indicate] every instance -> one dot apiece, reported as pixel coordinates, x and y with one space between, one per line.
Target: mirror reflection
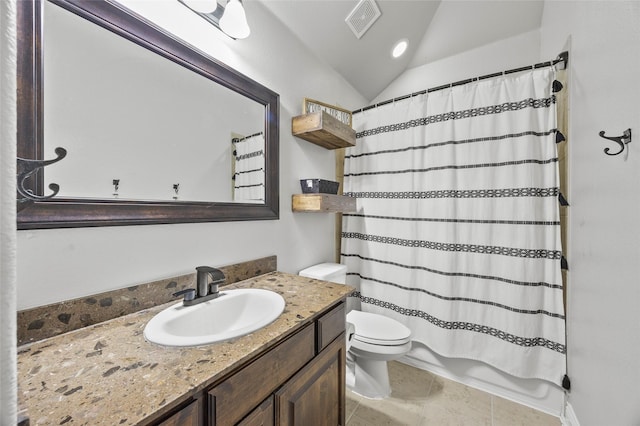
140 127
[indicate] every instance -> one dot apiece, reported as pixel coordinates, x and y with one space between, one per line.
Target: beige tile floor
419 398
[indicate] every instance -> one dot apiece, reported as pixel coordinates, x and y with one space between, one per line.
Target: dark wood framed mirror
85 211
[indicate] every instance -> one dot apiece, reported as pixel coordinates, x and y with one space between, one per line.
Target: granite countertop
108 374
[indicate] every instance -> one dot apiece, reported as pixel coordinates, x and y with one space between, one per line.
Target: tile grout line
357 404
423 412
491 408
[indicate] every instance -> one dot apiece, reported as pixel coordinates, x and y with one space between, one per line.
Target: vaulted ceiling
435 29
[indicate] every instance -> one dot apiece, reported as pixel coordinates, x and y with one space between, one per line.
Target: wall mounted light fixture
226 15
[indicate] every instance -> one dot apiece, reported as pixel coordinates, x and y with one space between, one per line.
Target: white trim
569 418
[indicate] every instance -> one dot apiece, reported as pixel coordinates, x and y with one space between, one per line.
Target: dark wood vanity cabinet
300 381
261 416
315 395
187 416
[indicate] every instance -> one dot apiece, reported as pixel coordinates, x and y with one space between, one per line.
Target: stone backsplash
50 320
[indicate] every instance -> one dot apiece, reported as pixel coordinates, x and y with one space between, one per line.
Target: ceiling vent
362 17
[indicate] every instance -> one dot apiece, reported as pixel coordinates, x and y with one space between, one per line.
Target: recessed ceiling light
399 48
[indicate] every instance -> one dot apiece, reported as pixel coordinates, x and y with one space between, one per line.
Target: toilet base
368 378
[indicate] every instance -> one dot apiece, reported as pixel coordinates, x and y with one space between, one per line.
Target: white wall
603 319
515 52
59 264
8 128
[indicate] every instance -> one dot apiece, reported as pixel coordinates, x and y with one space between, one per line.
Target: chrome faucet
204 290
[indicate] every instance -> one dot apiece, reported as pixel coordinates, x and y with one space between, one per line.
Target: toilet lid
378 329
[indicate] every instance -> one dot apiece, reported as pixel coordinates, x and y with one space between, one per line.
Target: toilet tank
334 272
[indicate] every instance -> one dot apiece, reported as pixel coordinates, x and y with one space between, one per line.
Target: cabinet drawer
330 326
237 396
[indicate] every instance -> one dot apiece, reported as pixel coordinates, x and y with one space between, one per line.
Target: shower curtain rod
562 57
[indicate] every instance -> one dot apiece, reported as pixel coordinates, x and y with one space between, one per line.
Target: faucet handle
213 287
189 294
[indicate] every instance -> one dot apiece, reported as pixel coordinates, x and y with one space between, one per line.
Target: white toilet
376 340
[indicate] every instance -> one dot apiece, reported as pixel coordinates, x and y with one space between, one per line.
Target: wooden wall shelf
322 129
322 203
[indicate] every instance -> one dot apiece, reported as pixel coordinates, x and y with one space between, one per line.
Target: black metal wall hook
27 168
620 140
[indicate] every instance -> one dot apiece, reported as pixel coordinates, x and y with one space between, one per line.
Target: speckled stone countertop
108 374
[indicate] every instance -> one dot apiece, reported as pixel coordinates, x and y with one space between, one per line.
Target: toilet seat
377 329
380 342
378 352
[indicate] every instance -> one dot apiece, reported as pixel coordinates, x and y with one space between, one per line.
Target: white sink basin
234 313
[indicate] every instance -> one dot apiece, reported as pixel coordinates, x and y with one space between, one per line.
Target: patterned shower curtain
248 178
457 231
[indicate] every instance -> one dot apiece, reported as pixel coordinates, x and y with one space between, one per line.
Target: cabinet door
261 416
234 398
316 394
188 416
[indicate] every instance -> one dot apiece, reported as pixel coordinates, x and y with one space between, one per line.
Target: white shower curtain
457 232
249 169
